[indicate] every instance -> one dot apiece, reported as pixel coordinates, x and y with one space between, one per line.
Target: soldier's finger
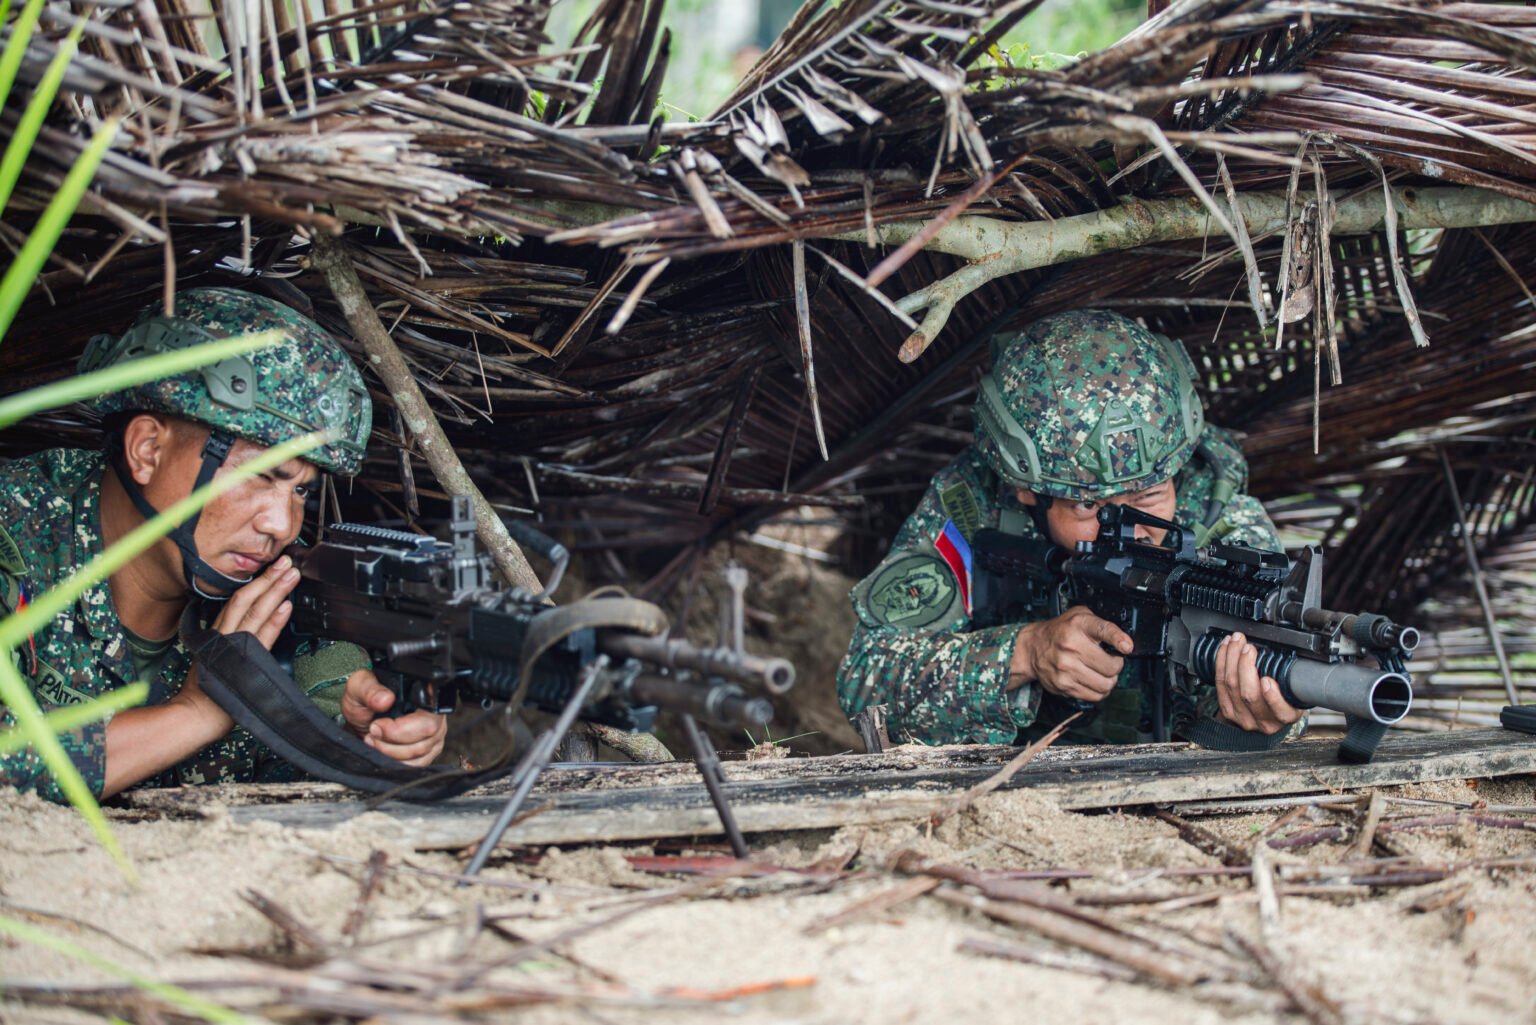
254 602
1225 704
1248 679
420 756
1105 632
266 632
235 610
1279 709
1093 685
408 729
267 603
407 751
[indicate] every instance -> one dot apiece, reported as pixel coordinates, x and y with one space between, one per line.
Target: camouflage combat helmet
304 383
1087 405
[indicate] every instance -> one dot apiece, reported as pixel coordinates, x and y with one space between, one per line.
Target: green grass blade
34 251
16 628
17 697
181 999
16 46
126 375
32 118
69 717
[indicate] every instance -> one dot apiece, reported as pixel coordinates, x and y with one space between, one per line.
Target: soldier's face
1071 522
246 527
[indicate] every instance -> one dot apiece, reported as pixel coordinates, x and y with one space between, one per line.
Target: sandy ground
583 934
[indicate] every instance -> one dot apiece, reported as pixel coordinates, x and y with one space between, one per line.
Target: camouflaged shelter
658 335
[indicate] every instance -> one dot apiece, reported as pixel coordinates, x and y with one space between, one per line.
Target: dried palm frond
597 302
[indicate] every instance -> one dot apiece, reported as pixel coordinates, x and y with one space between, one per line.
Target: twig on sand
1002 775
902 892
1080 962
1367 834
373 874
1308 999
297 931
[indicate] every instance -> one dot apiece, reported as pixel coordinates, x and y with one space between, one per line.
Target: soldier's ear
1026 497
146 443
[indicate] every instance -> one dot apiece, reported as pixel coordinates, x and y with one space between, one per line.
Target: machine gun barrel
719 704
774 675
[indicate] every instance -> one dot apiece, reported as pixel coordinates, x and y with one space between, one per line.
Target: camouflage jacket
913 649
50 504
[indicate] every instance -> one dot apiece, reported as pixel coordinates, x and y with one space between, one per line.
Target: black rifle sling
1220 736
1360 739
245 680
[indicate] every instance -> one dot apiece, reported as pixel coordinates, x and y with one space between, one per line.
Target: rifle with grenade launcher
1178 602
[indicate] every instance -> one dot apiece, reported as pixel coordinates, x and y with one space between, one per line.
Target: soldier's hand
415 739
1249 701
261 607
1067 655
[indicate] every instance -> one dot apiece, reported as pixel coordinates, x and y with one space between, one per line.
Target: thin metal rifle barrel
774 675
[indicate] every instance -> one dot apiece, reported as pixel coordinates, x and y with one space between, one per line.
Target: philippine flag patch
956 552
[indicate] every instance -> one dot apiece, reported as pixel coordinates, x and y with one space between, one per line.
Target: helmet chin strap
198 573
1037 512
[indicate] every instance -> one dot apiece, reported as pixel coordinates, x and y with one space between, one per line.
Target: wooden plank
649 802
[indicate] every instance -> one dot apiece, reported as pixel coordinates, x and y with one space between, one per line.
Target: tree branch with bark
997 248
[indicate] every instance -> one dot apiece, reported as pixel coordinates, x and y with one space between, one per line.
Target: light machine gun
1178 602
439 628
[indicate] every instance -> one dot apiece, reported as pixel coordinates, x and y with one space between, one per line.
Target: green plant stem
34 251
181 999
126 375
37 109
70 717
30 723
16 46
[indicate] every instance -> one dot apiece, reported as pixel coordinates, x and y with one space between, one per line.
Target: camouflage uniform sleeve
911 651
938 687
86 745
1244 520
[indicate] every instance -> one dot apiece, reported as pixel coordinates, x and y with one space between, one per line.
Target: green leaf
16 46
37 109
126 375
17 698
70 717
29 262
16 628
181 999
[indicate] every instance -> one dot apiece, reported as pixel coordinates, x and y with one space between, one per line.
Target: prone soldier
61 507
1080 409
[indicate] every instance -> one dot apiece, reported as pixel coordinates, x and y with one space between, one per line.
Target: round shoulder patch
916 590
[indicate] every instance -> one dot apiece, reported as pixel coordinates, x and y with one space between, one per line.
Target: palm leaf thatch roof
657 335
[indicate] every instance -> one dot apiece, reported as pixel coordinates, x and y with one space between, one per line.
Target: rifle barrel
774 675
721 704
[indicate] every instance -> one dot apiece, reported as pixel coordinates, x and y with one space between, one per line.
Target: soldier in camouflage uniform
1080 409
62 507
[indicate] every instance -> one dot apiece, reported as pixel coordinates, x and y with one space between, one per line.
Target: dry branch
331 259
1000 248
